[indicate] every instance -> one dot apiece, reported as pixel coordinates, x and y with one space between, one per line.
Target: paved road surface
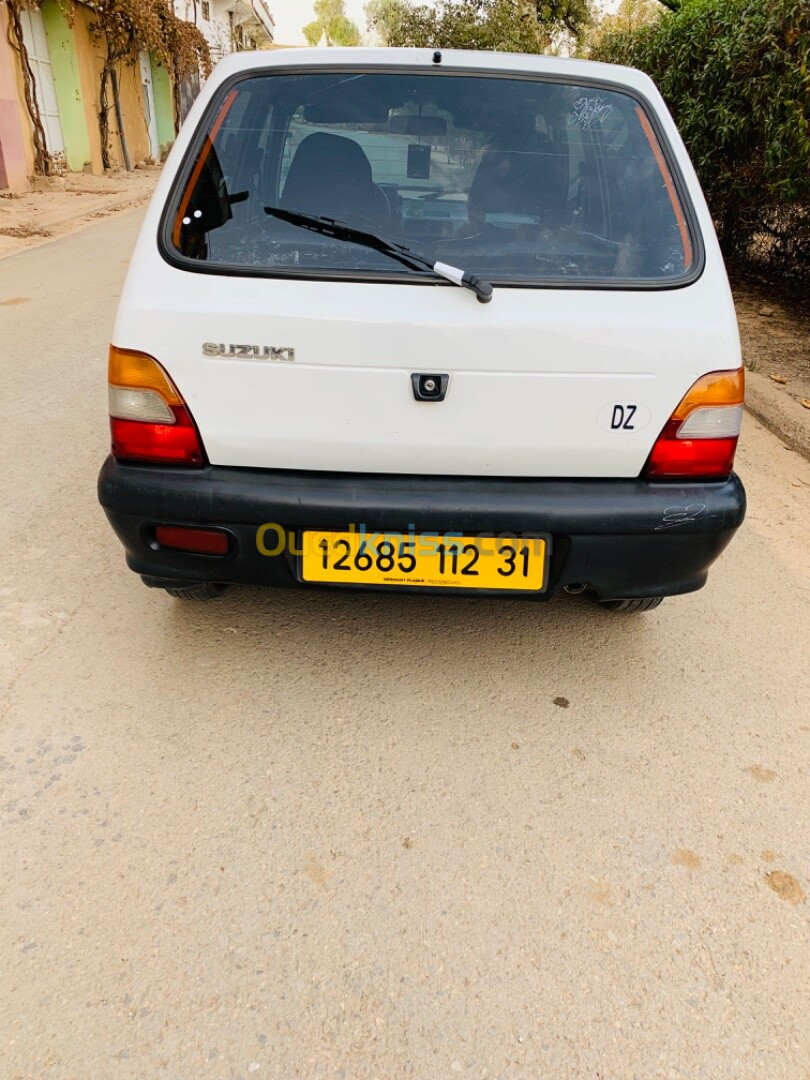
313 835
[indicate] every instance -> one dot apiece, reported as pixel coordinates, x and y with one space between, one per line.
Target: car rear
268 377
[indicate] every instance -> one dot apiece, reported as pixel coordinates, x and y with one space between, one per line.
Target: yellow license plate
424 560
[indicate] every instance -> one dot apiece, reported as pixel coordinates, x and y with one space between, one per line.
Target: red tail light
700 438
167 444
149 421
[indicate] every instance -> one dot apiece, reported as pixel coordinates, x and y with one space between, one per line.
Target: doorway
40 59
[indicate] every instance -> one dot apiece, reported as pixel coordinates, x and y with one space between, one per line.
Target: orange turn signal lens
136 370
716 388
149 420
700 438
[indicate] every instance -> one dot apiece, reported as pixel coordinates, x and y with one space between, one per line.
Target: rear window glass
515 180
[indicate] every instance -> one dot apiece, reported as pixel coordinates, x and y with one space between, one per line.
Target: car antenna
437 57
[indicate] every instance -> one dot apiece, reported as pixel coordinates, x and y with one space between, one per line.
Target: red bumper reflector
691 459
195 541
163 444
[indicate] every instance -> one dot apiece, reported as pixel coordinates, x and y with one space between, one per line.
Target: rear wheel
643 603
205 590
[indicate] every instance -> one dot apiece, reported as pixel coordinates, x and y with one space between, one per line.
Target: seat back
525 175
330 176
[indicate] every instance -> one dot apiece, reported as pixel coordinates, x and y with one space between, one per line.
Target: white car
407 319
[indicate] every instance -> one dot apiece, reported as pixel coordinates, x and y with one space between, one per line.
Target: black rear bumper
623 538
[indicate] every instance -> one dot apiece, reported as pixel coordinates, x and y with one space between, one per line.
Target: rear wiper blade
341 231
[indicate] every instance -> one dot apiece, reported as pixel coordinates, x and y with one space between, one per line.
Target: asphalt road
321 835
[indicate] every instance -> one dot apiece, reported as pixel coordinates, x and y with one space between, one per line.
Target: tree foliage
332 25
153 26
629 15
736 76
126 26
501 25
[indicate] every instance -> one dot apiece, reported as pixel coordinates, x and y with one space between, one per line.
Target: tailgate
542 382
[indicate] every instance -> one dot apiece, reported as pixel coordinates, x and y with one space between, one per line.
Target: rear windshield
517 180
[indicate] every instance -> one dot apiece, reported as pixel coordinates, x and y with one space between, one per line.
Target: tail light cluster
700 438
149 420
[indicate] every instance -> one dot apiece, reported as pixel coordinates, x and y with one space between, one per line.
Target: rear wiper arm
341 231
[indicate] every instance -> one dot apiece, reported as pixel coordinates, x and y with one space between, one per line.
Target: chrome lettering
283 354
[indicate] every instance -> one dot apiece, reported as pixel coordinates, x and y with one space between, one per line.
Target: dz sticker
624 416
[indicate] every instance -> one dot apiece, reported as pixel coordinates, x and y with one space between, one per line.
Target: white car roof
455 59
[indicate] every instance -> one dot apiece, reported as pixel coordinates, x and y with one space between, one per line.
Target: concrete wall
134 115
90 56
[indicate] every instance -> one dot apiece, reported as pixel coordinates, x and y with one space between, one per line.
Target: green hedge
736 76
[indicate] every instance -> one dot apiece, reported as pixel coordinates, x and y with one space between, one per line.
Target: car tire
205 590
643 603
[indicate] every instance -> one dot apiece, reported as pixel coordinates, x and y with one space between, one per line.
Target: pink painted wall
14 163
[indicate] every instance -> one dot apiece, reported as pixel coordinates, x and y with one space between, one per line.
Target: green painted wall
68 89
164 107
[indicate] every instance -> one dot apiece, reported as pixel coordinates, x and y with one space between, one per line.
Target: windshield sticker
588 112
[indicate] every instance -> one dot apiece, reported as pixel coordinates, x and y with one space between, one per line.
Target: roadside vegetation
736 76
530 26
331 25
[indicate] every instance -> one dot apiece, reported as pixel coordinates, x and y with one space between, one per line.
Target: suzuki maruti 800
444 321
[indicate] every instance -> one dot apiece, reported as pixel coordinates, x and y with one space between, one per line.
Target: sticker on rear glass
589 112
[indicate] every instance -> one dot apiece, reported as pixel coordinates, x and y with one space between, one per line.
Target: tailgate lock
429 387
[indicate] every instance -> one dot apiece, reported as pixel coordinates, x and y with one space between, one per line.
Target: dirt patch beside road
775 334
63 204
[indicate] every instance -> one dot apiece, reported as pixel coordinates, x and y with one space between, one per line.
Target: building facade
16 148
229 25
66 62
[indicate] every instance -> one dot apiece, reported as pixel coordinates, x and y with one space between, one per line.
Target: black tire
644 603
205 590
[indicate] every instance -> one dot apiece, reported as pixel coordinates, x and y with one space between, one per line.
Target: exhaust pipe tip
576 588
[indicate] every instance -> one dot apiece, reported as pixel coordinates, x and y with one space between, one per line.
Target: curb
778 412
112 202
